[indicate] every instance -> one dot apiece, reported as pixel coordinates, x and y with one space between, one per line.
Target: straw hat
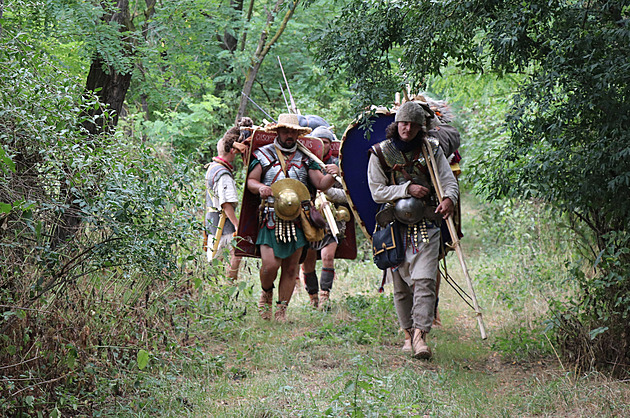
289 195
290 121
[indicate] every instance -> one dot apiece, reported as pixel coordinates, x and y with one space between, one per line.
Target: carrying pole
432 166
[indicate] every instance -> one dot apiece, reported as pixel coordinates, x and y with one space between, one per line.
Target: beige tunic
423 263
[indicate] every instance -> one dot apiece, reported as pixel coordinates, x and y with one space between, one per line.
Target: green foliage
359 43
523 344
187 130
569 121
363 394
566 138
95 232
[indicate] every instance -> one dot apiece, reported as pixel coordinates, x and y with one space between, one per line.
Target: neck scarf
223 162
327 156
407 146
284 149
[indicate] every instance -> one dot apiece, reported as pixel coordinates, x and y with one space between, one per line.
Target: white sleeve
381 191
225 190
447 179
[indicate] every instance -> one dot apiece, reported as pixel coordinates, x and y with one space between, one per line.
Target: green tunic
283 250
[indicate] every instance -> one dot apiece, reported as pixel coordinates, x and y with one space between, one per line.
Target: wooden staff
432 166
313 157
217 236
330 218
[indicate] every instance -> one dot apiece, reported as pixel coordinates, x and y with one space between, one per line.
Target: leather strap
282 162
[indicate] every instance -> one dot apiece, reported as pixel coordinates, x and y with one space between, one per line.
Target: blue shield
353 156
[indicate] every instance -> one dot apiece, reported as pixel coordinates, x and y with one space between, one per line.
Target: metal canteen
409 210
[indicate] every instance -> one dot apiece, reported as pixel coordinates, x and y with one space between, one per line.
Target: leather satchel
387 246
312 233
317 219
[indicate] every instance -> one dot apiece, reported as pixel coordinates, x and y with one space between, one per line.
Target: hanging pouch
312 233
387 246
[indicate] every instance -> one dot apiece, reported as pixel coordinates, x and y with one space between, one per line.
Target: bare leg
328 256
235 264
289 270
309 262
268 272
287 276
269 268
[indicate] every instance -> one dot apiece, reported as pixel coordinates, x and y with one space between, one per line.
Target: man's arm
319 180
225 190
228 209
255 186
381 191
336 195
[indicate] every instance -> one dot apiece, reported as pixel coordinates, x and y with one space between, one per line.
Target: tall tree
262 49
110 73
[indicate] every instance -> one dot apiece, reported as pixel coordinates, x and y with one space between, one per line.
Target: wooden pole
313 157
217 236
432 165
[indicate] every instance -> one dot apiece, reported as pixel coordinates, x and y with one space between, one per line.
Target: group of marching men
286 178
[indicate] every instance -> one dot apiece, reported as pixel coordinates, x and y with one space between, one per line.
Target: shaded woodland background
109 110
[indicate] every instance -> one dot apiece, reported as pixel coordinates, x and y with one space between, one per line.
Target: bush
95 236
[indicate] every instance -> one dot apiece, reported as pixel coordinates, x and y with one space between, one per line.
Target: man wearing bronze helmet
279 174
398 177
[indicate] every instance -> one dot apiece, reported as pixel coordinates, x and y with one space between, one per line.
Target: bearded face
287 137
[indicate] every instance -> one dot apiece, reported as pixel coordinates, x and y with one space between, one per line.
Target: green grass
347 361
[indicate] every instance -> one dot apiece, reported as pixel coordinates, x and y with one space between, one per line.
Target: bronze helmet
343 214
409 210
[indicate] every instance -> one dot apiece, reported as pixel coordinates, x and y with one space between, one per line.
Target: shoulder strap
381 158
282 162
216 171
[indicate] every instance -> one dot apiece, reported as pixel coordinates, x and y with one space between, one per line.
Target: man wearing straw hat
399 178
279 174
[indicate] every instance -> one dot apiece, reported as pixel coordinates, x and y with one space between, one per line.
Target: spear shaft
293 106
256 104
432 166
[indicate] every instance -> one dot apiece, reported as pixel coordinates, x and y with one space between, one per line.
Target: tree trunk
248 18
113 87
262 50
103 75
